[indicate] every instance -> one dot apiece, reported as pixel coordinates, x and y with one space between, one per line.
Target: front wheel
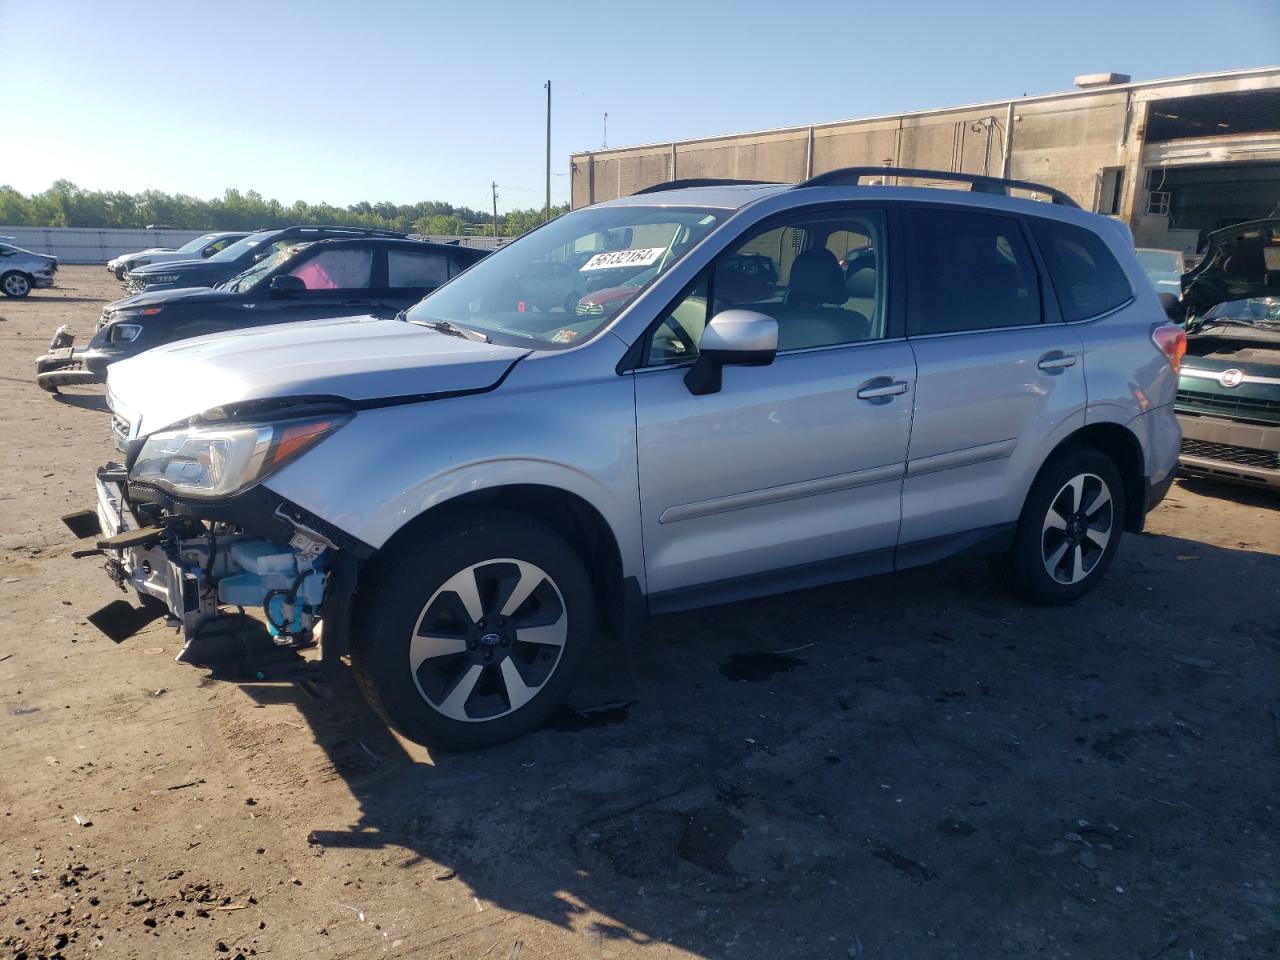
1069 529
15 284
476 633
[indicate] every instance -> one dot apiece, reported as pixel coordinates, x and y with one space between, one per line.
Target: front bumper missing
1221 449
146 567
195 571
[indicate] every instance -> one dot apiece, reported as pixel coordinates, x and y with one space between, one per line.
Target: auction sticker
623 258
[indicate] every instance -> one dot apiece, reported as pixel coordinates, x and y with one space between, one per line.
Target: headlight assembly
159 278
125 332
214 461
135 312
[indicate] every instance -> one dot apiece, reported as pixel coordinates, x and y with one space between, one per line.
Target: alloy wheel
16 285
1077 528
488 640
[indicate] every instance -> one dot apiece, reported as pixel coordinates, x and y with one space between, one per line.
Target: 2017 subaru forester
475 490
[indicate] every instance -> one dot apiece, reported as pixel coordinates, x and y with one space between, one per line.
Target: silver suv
776 386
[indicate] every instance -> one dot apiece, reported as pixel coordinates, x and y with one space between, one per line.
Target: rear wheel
476 633
15 284
1069 529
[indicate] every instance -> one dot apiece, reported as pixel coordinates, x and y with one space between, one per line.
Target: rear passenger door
411 275
999 377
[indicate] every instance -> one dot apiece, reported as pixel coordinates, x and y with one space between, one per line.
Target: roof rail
849 176
701 182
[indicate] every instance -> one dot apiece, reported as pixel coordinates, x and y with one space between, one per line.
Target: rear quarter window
1086 276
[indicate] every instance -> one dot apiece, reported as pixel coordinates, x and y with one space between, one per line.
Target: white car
197 249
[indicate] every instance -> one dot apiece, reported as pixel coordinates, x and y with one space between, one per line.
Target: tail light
1172 341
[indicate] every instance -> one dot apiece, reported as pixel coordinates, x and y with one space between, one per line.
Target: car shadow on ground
96 402
1265 497
911 766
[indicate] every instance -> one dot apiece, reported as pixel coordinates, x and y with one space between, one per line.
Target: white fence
91 245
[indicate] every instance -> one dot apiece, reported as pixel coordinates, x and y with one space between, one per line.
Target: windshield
191 246
237 249
1160 261
533 290
1264 311
254 275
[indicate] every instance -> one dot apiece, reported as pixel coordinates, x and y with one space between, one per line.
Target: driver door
790 475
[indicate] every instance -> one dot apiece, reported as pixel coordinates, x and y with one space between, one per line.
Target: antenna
604 143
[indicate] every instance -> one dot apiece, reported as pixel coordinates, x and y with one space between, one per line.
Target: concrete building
1172 158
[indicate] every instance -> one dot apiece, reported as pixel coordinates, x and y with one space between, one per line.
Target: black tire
119 272
393 599
1025 566
15 284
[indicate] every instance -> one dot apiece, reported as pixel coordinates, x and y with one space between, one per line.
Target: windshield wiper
452 330
1200 325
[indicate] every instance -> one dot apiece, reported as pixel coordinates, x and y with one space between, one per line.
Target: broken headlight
217 460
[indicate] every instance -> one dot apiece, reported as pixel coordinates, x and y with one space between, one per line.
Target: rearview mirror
286 283
741 338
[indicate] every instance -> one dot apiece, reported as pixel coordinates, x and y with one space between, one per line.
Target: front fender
390 465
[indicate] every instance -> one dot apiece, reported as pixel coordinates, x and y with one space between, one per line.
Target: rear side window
409 268
336 269
1086 276
974 272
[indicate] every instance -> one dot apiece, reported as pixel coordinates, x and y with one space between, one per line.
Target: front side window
344 269
192 246
974 271
413 268
238 249
821 276
1086 277
560 284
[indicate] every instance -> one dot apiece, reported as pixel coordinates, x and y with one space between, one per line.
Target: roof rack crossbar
849 176
700 182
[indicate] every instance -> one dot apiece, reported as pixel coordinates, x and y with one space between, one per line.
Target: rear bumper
1224 449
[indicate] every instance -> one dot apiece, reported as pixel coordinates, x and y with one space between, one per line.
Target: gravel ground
905 767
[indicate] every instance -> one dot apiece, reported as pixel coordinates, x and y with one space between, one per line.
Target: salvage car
201 247
237 257
1229 394
21 271
476 494
1240 262
304 281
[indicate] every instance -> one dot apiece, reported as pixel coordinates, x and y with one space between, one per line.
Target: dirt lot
927 770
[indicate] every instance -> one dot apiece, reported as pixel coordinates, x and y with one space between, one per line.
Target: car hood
1240 262
160 298
361 359
172 266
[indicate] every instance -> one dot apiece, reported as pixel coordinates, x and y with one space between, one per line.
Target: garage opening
1207 198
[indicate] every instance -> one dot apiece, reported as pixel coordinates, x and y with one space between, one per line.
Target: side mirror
740 338
1174 308
286 283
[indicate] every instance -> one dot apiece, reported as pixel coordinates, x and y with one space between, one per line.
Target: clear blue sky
403 101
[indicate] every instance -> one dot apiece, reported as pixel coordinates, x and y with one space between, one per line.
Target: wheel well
1122 447
568 514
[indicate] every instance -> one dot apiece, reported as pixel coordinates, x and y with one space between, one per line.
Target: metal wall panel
91 245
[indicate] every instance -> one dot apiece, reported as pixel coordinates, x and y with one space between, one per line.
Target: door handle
893 388
354 303
1057 360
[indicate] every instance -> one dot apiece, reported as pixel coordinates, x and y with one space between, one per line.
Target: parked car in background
303 281
475 492
1229 393
1164 268
237 257
22 270
201 247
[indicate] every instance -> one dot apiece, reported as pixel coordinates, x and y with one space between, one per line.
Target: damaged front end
185 523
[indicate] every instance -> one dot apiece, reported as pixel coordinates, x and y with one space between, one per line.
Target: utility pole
494 188
547 214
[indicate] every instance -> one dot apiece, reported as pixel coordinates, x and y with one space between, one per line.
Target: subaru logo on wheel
1231 378
490 639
